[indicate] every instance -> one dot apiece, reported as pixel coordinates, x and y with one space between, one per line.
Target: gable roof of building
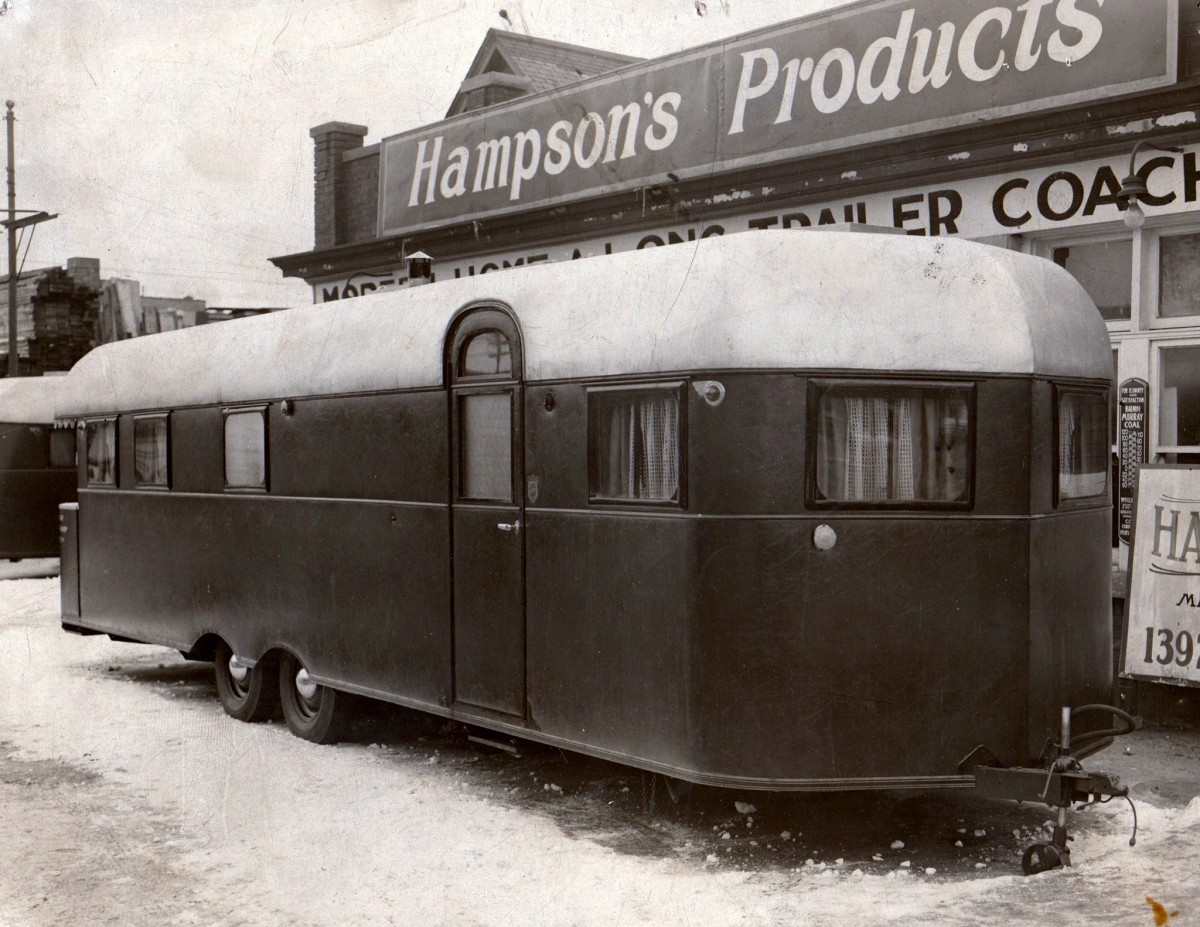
528 64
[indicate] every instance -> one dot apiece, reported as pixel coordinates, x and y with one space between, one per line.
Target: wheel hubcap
237 672
308 693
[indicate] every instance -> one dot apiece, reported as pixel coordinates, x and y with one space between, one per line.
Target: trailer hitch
1060 783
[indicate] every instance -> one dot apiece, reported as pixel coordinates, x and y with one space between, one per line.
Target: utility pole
12 224
12 245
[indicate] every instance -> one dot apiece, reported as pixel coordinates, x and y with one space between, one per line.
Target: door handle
504 526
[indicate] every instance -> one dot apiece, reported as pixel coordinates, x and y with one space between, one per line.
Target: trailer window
62 447
635 445
246 450
886 443
488 354
150 451
485 442
102 453
1083 448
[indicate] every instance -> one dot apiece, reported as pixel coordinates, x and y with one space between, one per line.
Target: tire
310 710
246 694
1041 857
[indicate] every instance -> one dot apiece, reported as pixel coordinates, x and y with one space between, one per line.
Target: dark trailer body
802 510
37 467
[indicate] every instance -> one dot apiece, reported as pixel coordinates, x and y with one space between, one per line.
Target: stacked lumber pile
64 321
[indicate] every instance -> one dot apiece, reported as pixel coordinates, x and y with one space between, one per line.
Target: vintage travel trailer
781 510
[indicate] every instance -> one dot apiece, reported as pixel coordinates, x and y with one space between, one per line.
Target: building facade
1015 123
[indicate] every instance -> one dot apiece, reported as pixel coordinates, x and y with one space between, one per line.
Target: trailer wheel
309 709
1040 857
246 694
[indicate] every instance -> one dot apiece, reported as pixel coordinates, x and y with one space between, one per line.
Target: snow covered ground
128 797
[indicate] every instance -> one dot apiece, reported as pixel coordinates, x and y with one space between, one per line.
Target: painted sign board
872 71
1133 398
1162 611
1034 200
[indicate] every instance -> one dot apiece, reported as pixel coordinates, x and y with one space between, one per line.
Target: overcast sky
172 138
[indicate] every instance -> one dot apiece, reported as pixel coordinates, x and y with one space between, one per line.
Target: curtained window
635 452
1083 445
102 453
893 444
150 451
246 450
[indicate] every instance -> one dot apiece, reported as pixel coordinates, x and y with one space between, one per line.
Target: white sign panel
1162 612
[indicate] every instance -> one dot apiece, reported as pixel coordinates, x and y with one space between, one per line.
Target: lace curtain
638 447
893 446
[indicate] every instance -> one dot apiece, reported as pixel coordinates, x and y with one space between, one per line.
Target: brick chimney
331 140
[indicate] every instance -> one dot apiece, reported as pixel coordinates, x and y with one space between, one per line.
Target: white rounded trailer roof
807 300
29 400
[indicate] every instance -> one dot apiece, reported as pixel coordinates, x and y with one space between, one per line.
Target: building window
487 354
635 445
1179 275
1179 405
485 442
1105 269
150 451
102 453
246 449
62 447
1083 445
892 444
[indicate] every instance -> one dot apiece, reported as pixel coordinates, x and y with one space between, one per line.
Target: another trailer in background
37 467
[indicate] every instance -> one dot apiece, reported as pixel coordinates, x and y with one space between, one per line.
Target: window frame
818 387
60 429
88 423
679 390
1153 264
165 486
263 410
1105 494
1083 239
1157 450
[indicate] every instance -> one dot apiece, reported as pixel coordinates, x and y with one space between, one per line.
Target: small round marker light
714 393
824 537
